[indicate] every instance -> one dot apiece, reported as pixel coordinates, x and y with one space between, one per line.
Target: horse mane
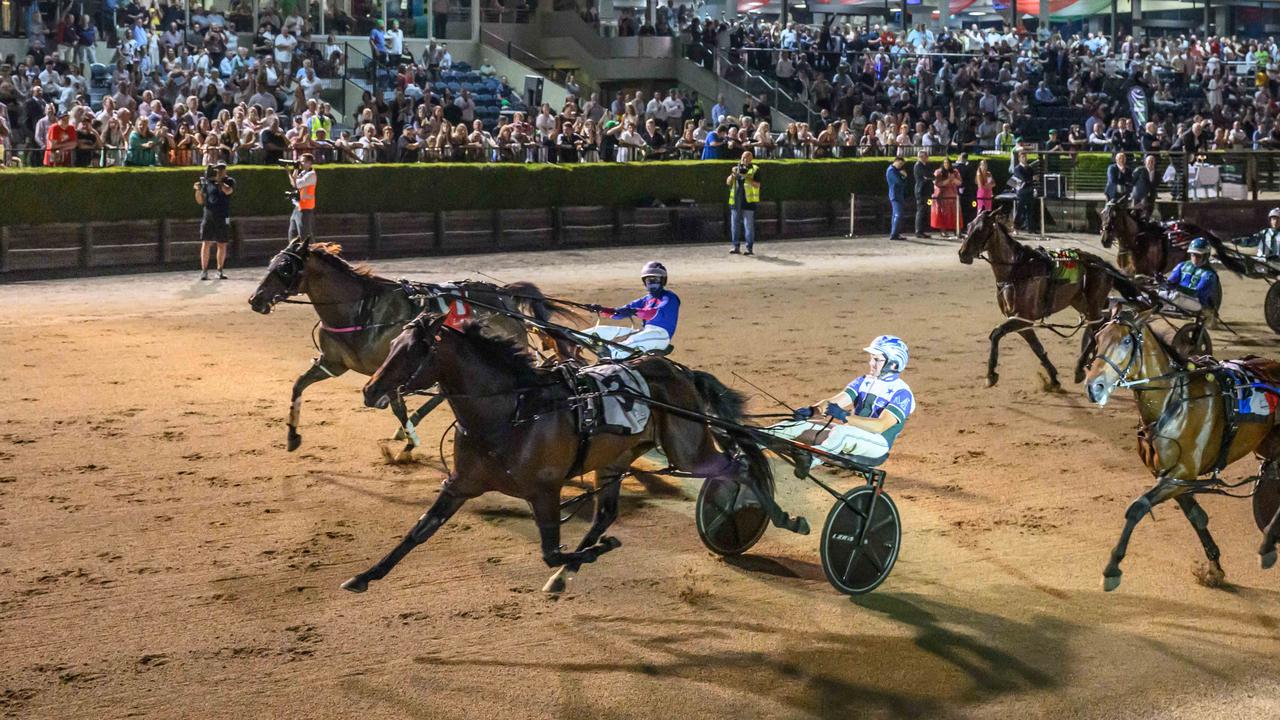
332 254
507 354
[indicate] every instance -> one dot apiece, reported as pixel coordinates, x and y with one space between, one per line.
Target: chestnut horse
1028 293
1185 424
518 435
360 313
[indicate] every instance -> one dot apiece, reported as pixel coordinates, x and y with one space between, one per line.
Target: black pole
784 13
1208 17
1115 25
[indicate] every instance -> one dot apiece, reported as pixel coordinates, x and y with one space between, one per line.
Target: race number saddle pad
606 402
1067 265
1256 394
1179 236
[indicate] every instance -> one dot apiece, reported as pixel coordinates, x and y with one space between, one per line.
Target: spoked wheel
1266 498
855 561
1193 339
1271 307
730 517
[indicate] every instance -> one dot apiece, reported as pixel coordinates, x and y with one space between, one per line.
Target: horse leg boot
1001 330
406 427
606 511
1138 509
1030 336
438 514
416 418
546 513
1267 553
756 476
1199 520
314 374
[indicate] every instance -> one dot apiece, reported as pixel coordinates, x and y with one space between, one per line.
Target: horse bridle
430 338
1135 354
289 270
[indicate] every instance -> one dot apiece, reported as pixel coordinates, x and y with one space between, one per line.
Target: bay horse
361 313
1145 247
1187 431
517 435
1028 293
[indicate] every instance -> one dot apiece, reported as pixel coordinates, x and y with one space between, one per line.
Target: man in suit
1024 180
1145 182
896 176
1119 178
923 177
968 187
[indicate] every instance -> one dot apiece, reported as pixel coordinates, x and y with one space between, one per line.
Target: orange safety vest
307 197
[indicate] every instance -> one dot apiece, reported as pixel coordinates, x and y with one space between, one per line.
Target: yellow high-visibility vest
753 192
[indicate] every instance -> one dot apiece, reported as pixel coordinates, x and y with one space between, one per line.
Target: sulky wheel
730 517
856 562
1192 340
1271 307
1266 498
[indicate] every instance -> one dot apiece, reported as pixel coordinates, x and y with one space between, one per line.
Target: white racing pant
1179 300
861 445
646 339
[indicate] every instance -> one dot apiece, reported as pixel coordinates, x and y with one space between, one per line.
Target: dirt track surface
161 555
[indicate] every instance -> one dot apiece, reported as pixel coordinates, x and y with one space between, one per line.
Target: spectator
142 145
946 184
896 177
986 184
1145 185
744 194
1119 179
60 142
923 189
1024 182
713 143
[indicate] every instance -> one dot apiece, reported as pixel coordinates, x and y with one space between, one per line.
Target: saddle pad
1066 265
618 413
1179 236
1256 399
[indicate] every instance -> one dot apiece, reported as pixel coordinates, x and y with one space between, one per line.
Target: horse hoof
1079 376
801 526
294 441
399 435
1110 582
1267 560
608 542
356 584
992 379
556 584
404 456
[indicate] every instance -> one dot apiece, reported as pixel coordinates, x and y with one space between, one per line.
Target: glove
595 308
835 411
803 413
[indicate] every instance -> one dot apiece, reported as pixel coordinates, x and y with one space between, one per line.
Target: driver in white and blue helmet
658 309
865 418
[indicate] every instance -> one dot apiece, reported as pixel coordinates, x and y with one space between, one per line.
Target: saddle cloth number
616 409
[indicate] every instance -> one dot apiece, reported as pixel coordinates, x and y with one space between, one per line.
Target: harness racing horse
518 435
1190 428
1144 246
361 313
1027 291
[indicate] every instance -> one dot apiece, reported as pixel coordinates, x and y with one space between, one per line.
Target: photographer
303 179
744 193
213 192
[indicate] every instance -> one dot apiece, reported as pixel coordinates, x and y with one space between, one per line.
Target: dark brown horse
1028 292
1146 247
518 436
1185 419
361 313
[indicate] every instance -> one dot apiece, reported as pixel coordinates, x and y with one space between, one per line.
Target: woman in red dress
946 195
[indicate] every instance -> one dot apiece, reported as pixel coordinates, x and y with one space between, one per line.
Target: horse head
978 234
1110 216
284 276
409 362
1118 355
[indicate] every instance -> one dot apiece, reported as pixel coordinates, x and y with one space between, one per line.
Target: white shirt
674 107
395 41
284 46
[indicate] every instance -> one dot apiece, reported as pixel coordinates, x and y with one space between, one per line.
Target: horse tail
1130 290
1230 259
531 301
720 400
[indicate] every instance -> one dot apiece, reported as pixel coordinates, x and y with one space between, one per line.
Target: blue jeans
896 223
747 218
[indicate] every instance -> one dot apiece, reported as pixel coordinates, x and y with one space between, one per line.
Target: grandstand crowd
179 94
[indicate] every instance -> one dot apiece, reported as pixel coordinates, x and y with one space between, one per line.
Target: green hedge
36 196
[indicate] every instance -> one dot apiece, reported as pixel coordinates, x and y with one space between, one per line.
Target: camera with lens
210 172
290 163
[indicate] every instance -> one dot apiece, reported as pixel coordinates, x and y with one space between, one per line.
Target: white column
323 8
1044 14
475 20
944 12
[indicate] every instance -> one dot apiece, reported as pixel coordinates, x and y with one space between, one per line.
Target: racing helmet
892 349
654 269
1275 212
1199 246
